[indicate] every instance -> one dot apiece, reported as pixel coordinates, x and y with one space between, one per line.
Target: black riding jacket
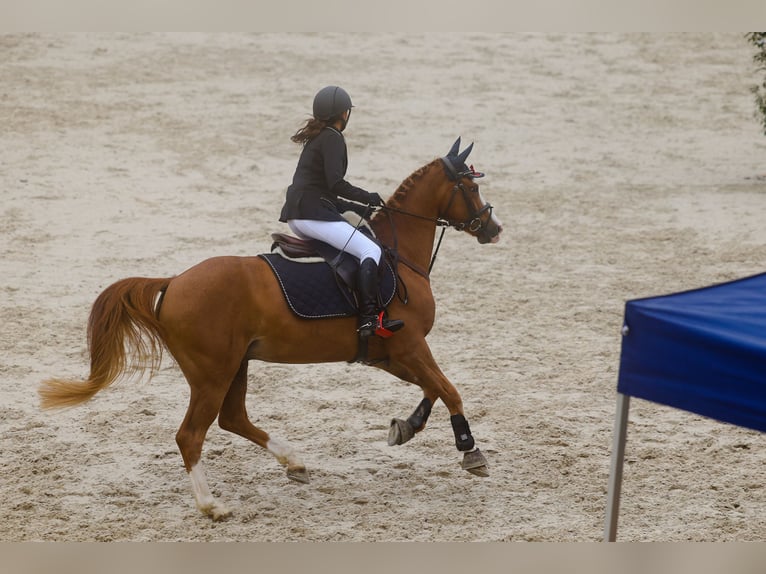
318 182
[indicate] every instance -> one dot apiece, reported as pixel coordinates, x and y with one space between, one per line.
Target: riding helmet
331 101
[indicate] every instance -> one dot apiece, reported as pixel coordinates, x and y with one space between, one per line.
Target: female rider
313 206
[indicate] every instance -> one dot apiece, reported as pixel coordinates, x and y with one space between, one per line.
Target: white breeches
340 235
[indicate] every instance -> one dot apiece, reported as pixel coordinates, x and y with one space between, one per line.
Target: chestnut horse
225 311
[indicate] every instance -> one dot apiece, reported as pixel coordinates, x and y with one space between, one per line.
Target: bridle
473 223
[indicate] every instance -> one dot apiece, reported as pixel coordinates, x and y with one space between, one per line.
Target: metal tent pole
615 468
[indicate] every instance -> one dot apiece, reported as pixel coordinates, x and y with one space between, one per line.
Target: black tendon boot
371 320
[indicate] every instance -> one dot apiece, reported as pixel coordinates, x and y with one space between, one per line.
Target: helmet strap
344 121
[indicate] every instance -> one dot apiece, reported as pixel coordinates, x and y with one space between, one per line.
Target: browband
453 173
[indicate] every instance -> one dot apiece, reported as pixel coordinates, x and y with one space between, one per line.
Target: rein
443 223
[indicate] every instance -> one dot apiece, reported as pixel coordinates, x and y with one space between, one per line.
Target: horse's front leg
473 460
418 366
403 430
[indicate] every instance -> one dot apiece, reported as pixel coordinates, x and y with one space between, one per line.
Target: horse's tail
123 324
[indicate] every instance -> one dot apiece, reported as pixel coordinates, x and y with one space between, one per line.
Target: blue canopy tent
702 351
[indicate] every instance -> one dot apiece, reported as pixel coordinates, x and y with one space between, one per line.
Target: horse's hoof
215 511
218 514
475 463
481 471
298 475
400 432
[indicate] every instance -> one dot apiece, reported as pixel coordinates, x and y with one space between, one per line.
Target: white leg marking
284 453
206 502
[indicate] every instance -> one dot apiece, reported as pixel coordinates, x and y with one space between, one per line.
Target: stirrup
381 327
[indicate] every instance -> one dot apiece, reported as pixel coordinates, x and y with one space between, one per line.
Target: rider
313 206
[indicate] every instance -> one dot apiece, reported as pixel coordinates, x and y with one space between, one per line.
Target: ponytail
309 131
312 128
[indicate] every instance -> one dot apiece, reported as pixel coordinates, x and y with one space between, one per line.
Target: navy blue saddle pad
313 292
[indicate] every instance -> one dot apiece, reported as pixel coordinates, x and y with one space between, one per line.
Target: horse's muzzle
490 234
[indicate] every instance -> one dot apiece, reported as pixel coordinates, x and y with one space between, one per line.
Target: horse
217 316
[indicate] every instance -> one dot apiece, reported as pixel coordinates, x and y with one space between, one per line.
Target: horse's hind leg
233 418
203 408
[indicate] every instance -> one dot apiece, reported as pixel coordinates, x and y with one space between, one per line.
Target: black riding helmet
330 102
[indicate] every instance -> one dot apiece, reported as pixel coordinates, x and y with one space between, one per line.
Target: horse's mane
397 199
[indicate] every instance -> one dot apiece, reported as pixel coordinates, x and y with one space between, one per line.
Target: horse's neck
410 228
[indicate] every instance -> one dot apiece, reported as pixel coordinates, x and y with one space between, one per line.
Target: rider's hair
311 129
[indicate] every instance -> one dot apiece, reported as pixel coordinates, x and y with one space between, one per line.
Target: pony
222 313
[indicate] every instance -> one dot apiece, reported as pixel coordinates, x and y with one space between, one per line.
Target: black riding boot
371 320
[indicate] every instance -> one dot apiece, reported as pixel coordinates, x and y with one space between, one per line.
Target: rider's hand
374 199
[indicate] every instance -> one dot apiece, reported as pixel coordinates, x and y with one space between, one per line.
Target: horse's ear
455 148
463 156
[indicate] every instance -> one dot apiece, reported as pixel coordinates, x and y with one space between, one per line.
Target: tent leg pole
616 467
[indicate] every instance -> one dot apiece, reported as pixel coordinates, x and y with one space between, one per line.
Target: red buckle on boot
380 330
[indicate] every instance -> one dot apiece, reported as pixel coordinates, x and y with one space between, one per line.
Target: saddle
312 251
318 280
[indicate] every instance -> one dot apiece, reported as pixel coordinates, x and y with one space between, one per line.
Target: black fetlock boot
371 320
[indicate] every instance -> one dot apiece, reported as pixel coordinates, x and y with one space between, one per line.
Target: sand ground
621 165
